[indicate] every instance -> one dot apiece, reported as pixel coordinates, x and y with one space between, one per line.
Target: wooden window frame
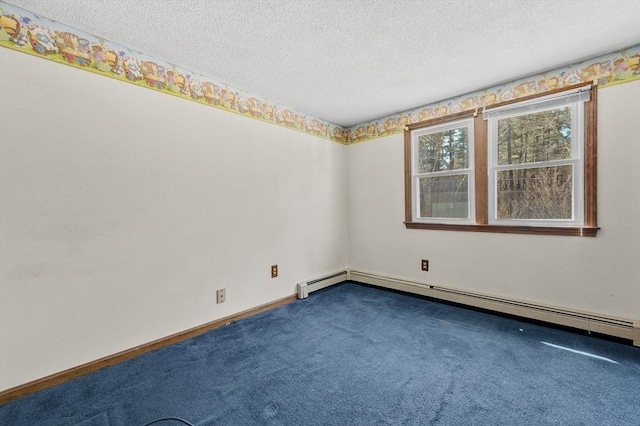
589 227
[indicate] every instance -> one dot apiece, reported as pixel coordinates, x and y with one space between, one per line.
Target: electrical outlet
425 265
274 271
221 295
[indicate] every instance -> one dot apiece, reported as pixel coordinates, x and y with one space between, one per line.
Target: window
443 173
525 166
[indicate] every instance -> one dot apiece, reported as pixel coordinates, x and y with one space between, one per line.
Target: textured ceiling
352 61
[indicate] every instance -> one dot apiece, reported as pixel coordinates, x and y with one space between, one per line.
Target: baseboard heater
304 288
612 326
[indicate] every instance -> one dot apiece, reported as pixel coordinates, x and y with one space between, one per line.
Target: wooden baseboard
90 367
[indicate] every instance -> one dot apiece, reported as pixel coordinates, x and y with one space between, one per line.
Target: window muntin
441 172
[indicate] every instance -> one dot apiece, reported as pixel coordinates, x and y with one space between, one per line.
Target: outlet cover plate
221 295
425 265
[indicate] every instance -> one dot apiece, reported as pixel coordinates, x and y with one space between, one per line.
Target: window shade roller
581 94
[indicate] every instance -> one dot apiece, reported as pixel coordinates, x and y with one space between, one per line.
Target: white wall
600 274
123 210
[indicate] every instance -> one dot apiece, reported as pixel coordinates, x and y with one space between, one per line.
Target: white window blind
581 94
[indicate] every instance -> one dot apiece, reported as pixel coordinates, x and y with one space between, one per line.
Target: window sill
582 231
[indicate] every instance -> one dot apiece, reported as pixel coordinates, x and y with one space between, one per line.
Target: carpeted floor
357 355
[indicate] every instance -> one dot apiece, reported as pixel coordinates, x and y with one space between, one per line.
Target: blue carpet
356 355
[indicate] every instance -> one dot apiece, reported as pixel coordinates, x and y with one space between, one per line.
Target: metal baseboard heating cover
613 326
304 288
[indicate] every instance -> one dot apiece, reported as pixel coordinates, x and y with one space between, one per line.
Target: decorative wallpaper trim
608 70
29 33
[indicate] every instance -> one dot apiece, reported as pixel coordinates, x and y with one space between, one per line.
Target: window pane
441 151
444 197
536 193
541 136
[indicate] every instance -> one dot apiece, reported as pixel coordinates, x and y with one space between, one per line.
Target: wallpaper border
29 33
614 68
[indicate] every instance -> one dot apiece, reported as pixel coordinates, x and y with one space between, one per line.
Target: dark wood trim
439 120
90 367
591 160
408 215
481 178
583 231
